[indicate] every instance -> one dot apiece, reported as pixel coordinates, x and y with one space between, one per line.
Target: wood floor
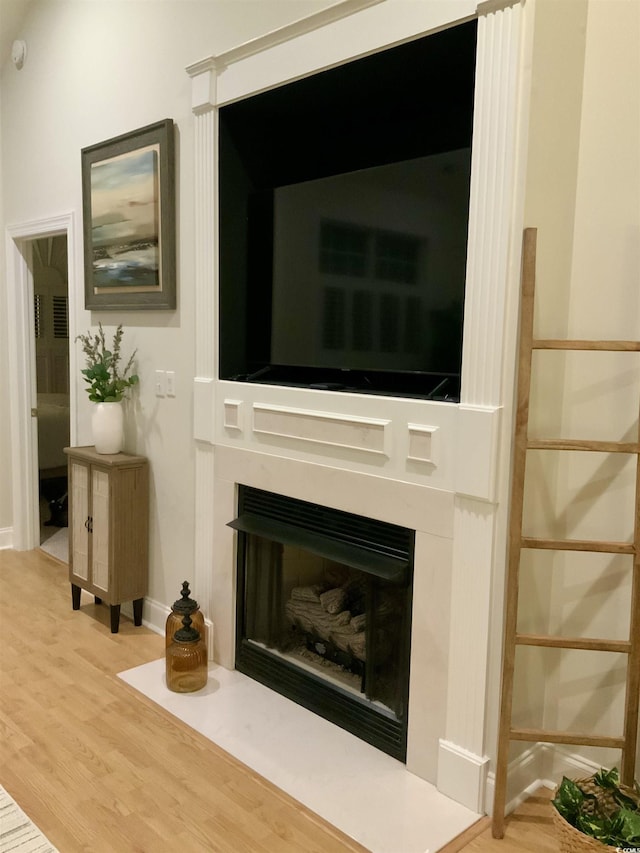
99 767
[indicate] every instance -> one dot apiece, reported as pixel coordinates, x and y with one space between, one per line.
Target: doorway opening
27 241
51 334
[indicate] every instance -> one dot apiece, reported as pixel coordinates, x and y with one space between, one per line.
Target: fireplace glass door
324 605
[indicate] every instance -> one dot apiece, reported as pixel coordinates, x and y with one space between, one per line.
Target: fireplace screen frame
384 552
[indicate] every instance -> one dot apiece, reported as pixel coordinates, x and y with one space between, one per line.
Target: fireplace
324 612
437 468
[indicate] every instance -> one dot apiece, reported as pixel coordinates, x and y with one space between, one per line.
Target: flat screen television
344 206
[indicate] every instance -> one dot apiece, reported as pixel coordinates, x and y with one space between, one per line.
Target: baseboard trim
525 774
541 765
561 762
6 538
462 775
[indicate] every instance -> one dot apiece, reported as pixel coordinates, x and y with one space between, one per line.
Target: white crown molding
295 50
203 66
487 7
336 12
204 76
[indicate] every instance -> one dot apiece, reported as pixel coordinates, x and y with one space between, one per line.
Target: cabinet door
100 542
79 520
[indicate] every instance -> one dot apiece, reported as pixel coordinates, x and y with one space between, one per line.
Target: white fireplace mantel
445 466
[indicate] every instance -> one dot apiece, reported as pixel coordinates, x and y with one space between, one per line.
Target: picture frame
129 220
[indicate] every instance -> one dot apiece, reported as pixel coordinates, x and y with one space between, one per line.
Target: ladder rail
632 699
628 741
515 523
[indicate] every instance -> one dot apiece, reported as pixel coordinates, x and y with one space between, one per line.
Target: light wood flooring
98 767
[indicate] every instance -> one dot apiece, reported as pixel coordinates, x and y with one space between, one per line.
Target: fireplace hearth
324 612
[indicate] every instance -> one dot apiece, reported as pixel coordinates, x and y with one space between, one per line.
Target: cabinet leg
75 596
137 611
115 618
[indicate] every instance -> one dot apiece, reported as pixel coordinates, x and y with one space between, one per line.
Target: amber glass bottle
179 609
186 660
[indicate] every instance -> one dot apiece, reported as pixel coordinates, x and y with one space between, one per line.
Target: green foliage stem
108 381
605 812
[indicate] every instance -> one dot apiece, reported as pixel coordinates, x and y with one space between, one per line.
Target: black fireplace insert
324 612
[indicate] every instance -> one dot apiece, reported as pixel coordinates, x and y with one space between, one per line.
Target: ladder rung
578 545
607 346
548 736
627 741
586 643
583 444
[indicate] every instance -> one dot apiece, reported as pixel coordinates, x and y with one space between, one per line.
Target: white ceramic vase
107 423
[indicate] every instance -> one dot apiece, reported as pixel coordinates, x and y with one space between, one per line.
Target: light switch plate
161 383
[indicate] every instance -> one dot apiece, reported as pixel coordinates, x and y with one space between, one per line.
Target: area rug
18 834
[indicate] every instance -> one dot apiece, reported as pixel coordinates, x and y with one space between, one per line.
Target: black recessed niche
343 217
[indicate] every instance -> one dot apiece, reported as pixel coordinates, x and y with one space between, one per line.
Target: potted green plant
108 382
597 814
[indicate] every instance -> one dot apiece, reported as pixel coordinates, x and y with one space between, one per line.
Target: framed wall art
129 220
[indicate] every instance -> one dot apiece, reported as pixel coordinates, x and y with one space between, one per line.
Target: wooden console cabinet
108 529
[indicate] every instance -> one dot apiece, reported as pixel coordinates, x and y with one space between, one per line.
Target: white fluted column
203 88
462 762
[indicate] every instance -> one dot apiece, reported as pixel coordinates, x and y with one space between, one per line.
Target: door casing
22 377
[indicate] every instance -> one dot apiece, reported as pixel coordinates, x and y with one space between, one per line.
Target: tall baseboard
525 774
541 765
154 614
6 538
462 775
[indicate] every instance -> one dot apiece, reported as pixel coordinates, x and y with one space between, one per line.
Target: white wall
584 196
93 71
600 397
5 435
98 69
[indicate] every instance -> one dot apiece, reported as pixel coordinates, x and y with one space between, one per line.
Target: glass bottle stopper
186 634
185 604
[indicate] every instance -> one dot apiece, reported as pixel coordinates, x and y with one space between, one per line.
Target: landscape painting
125 224
129 221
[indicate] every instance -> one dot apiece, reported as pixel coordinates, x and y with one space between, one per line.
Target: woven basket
571 840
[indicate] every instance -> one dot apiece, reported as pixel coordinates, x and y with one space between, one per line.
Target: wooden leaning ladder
627 742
